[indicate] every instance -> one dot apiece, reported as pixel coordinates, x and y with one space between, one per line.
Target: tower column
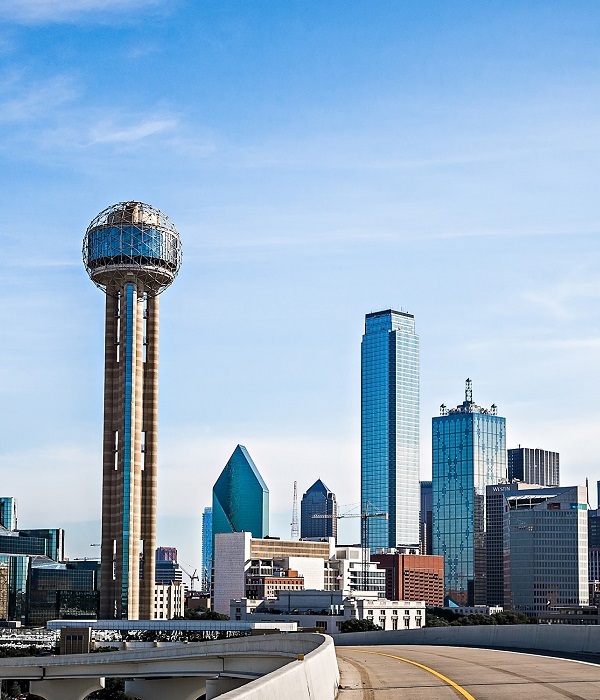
149 473
110 444
133 252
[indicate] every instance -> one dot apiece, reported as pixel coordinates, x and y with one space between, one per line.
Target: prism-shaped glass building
240 497
469 453
390 429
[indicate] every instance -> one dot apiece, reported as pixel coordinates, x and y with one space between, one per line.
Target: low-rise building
325 611
169 599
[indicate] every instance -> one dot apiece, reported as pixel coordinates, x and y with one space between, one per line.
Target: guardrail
572 639
313 677
279 667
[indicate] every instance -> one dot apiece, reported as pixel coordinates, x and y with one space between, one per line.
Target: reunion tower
132 252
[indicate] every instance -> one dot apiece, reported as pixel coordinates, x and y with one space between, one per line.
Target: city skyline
324 162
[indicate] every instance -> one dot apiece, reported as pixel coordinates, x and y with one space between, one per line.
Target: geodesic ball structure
132 241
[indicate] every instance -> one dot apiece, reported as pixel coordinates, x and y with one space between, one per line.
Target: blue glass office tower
318 500
469 453
240 497
8 512
390 428
207 550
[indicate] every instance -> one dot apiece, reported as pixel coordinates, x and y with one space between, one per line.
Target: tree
354 625
114 690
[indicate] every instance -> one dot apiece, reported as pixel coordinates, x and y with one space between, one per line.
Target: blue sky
321 160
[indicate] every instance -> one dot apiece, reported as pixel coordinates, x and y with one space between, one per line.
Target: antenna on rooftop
294 523
469 391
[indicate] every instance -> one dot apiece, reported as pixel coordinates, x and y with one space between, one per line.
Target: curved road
451 673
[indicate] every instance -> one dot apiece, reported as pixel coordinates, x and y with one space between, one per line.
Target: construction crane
193 577
365 516
295 534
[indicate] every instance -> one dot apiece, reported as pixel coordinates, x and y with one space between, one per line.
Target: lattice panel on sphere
132 241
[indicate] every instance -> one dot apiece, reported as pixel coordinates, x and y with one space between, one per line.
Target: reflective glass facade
534 466
207 548
425 545
18 567
8 512
390 428
240 497
469 453
61 594
55 541
318 500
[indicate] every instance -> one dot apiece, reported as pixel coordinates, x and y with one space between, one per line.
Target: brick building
413 577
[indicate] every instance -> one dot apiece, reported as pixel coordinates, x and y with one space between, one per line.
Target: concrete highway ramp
446 673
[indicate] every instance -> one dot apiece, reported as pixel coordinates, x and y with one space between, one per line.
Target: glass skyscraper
469 453
8 512
390 428
240 497
318 500
534 466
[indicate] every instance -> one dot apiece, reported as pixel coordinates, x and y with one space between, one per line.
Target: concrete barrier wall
573 639
315 678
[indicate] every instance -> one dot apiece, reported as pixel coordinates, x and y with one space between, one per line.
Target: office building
594 528
240 497
169 599
533 466
469 453
318 501
61 591
413 577
8 512
390 428
545 549
4 591
133 253
36 585
238 557
266 577
167 569
166 554
425 517
207 548
495 506
354 573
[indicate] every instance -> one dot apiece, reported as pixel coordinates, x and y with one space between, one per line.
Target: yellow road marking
459 689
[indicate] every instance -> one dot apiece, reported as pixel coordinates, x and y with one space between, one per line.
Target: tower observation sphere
132 240
132 251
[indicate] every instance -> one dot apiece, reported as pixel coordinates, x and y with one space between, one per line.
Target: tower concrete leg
66 688
172 688
223 685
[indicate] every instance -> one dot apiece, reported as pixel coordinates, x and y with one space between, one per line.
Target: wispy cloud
36 11
32 101
561 299
115 133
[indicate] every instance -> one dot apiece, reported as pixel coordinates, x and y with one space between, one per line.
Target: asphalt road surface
451 673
